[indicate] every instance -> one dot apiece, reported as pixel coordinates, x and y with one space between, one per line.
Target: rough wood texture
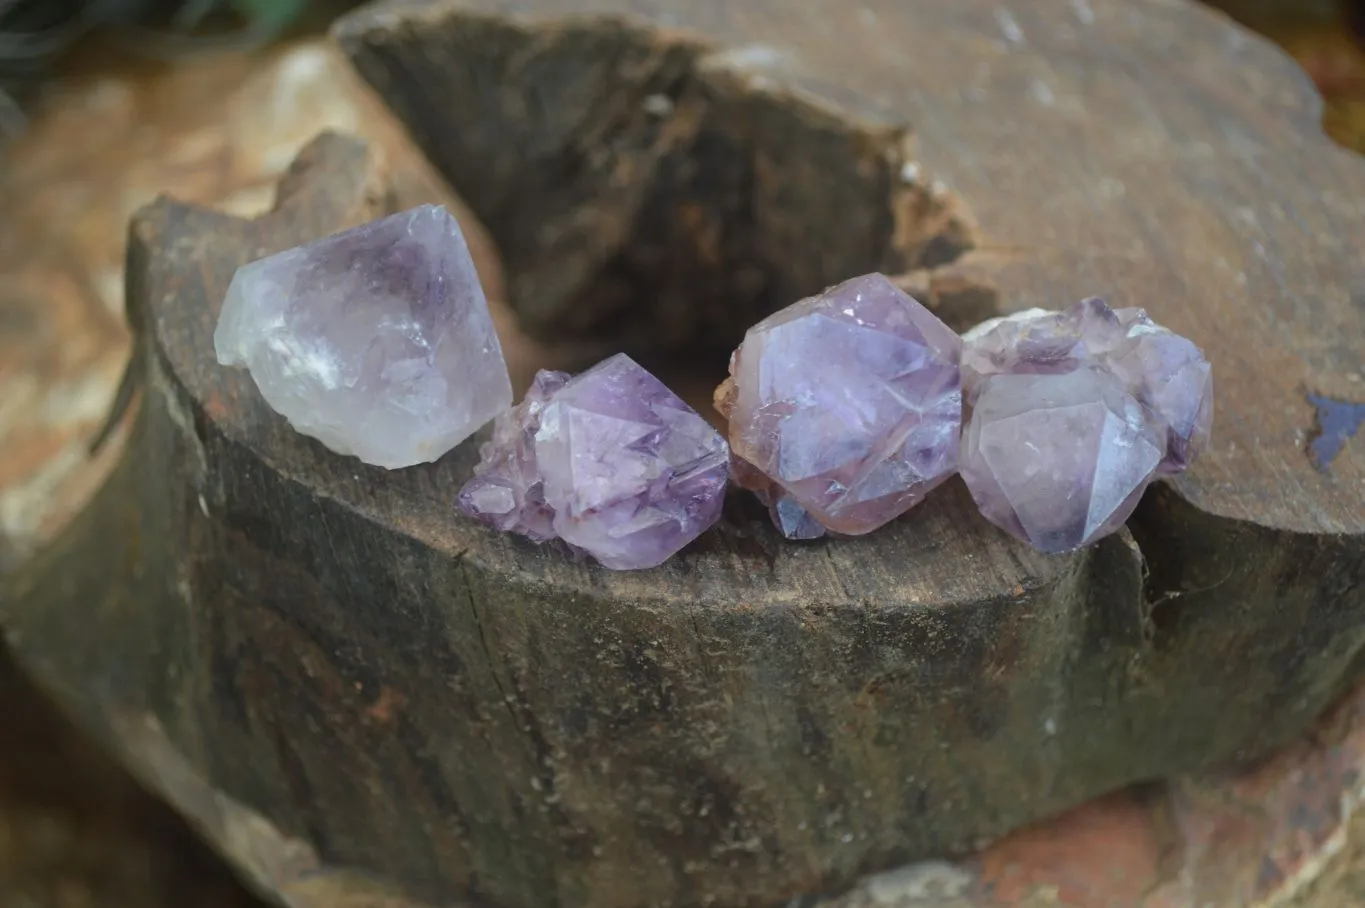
464 712
1147 151
77 832
1267 835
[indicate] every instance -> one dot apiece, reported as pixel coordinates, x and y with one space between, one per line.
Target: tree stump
462 712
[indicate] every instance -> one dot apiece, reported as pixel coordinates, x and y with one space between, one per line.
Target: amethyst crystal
1165 372
610 461
845 408
507 491
1073 413
376 341
791 520
1058 459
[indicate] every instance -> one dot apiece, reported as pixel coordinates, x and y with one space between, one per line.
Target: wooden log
76 828
465 713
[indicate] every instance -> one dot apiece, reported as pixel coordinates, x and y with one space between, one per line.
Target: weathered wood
464 712
77 829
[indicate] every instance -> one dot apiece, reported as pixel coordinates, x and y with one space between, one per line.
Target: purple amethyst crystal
610 461
1073 413
1165 372
376 341
1171 377
847 406
507 492
791 520
1058 459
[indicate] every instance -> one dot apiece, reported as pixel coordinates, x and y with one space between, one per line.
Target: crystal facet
1164 371
1059 459
790 518
847 406
1073 413
610 461
376 341
507 491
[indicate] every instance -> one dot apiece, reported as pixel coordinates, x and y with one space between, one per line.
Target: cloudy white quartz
376 341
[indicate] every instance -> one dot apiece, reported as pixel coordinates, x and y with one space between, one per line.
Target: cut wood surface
464 712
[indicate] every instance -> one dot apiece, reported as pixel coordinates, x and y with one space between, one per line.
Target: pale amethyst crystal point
610 461
1059 459
1043 342
847 405
376 341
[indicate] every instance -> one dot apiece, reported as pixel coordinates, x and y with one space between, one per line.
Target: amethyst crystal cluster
610 461
845 409
1073 413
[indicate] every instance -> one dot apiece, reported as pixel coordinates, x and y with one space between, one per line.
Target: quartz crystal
376 341
1165 372
791 520
507 491
1072 414
1058 459
610 461
844 408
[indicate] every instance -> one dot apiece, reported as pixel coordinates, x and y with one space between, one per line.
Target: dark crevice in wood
1162 595
652 200
1224 595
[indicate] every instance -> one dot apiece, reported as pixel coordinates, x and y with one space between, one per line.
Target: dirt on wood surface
73 830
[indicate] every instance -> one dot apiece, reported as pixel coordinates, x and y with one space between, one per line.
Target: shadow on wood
75 828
